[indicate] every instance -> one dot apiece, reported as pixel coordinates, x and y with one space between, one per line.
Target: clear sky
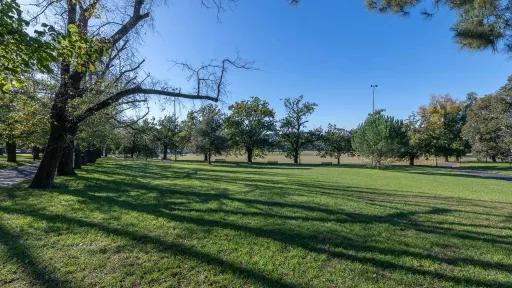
330 51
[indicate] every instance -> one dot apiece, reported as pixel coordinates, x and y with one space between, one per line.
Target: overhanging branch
137 91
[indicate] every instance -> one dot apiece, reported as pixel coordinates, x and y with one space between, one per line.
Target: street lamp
374 86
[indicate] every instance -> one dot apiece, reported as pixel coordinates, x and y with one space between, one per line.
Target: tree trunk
2 151
411 160
446 159
165 152
11 151
339 160
205 157
66 164
249 154
493 158
296 157
78 156
35 153
45 174
209 158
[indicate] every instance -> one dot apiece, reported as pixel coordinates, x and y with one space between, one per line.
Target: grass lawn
154 224
23 159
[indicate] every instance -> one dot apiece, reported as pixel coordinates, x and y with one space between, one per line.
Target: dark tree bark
296 157
11 151
209 158
2 151
48 167
165 152
493 158
69 85
205 157
67 162
446 159
411 160
339 160
36 151
249 151
78 156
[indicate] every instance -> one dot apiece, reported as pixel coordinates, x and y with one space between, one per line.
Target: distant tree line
443 128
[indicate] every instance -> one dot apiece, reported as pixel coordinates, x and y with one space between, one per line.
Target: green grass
22 159
154 224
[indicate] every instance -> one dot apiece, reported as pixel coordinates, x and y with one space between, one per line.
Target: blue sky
327 50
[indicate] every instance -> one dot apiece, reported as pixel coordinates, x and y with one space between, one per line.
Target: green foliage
292 126
208 136
24 116
335 142
489 127
80 51
380 138
249 126
138 140
21 51
440 125
169 134
480 24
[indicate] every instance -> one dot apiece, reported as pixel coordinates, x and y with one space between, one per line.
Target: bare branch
138 90
128 26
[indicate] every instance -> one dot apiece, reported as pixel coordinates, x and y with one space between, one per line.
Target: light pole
374 86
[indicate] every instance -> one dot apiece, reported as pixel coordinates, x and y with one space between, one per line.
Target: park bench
326 163
220 160
272 162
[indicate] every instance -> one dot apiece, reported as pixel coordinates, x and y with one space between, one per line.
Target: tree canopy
249 126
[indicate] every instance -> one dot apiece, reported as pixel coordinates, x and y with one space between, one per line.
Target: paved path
12 176
485 174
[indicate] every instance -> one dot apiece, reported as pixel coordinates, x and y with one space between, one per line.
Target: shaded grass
137 223
22 159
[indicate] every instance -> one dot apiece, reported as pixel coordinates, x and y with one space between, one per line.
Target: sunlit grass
22 159
153 224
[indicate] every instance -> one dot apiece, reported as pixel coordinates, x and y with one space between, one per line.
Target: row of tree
443 128
249 128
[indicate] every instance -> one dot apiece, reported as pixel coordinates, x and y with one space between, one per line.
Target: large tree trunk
249 152
339 160
209 158
411 160
165 152
205 157
11 151
296 157
45 174
67 161
446 159
493 158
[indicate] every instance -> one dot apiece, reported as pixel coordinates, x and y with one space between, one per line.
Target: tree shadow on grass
176 204
309 242
21 254
173 248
